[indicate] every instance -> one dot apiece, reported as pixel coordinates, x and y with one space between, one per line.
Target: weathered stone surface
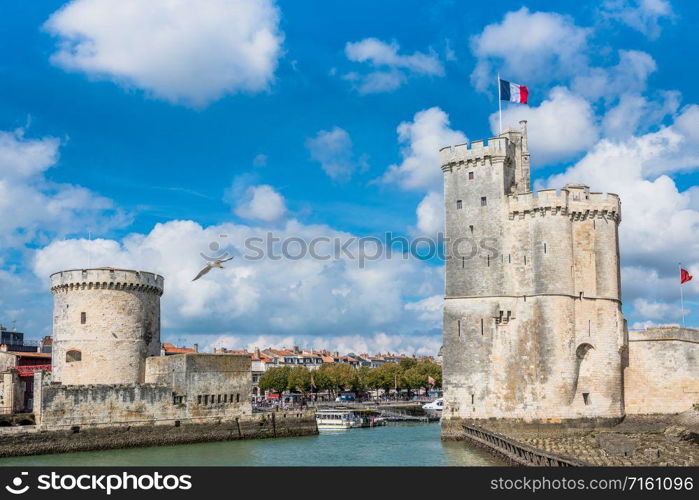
663 371
616 444
106 322
31 440
533 327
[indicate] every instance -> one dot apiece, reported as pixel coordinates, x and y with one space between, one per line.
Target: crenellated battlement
574 201
477 152
106 278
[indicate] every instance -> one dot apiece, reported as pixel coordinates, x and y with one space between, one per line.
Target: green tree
275 379
407 363
299 379
414 378
389 377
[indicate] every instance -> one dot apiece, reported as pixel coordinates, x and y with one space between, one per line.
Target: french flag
513 92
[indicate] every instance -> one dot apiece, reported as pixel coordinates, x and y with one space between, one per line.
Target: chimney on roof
196 347
257 352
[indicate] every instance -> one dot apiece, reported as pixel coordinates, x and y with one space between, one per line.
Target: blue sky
159 134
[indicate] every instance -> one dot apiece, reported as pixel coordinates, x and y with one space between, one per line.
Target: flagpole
679 265
499 104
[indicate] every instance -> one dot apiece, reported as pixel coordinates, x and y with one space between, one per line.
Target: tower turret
106 321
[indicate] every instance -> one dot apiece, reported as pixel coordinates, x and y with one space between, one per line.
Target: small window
237 398
458 204
199 399
206 399
73 355
586 398
470 176
83 318
484 201
471 229
544 247
231 398
482 326
458 327
225 398
219 398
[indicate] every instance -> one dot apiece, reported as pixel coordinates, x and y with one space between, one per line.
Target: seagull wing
220 261
202 272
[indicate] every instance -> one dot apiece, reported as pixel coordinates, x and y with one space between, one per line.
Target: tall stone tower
533 328
106 322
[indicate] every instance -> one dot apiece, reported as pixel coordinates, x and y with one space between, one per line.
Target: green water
394 444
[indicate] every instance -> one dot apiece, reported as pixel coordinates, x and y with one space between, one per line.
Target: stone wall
105 323
663 371
208 384
533 327
31 440
194 388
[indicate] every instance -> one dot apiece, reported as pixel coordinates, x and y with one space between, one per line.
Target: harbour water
392 445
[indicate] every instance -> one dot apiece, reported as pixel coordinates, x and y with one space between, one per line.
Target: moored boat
342 419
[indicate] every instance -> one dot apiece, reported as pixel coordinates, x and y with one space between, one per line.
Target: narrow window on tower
484 201
83 318
458 204
472 398
471 229
589 327
458 327
509 258
488 257
463 262
525 260
470 176
544 247
481 326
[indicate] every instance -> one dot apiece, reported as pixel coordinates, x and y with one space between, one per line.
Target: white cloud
381 342
420 142
333 150
261 202
282 298
642 15
429 309
529 48
430 214
32 208
560 127
393 68
628 76
635 113
180 51
660 223
657 310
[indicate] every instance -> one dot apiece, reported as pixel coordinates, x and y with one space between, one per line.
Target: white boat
435 406
337 420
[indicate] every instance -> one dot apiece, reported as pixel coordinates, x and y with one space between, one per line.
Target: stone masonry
106 322
533 328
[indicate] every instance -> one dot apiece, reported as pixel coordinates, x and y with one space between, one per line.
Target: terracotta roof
21 354
328 359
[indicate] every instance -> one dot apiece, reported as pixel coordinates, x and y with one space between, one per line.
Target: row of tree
408 374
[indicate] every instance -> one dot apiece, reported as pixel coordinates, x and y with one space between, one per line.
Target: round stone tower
106 322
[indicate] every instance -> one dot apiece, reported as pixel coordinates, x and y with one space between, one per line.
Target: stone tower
533 328
106 322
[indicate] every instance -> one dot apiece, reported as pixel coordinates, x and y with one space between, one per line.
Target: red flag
685 276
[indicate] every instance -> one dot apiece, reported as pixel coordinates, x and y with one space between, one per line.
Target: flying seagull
210 265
